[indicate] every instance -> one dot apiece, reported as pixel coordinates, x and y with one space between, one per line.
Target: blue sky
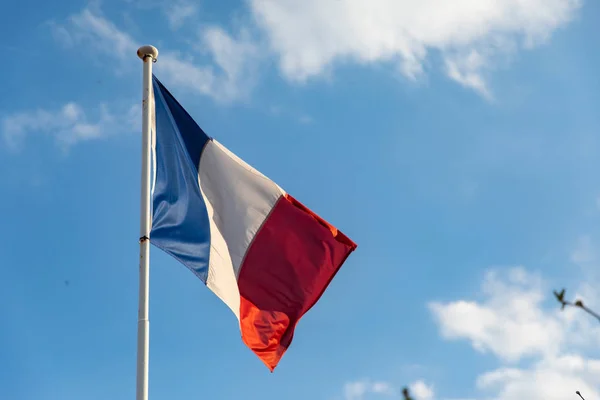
457 145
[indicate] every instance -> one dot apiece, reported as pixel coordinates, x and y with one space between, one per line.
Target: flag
262 252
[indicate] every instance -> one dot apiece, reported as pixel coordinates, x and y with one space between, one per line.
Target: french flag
262 252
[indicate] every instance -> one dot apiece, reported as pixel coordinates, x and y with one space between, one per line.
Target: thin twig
592 313
578 303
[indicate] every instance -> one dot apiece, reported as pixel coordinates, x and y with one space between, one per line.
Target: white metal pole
148 54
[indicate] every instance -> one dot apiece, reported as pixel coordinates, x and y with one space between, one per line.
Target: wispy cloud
467 70
232 75
357 390
280 111
229 77
179 12
365 388
68 124
92 29
305 119
473 38
470 35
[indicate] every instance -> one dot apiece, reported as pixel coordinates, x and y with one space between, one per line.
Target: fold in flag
264 254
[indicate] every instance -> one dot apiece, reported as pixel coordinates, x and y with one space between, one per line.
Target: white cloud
230 76
511 323
68 125
366 389
466 70
232 80
540 350
382 388
550 379
311 36
421 391
359 390
355 390
178 12
92 29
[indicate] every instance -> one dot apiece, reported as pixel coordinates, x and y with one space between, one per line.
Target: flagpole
148 54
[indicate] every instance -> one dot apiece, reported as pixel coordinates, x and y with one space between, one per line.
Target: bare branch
560 296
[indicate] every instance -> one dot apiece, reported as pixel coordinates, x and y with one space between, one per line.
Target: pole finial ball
147 51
